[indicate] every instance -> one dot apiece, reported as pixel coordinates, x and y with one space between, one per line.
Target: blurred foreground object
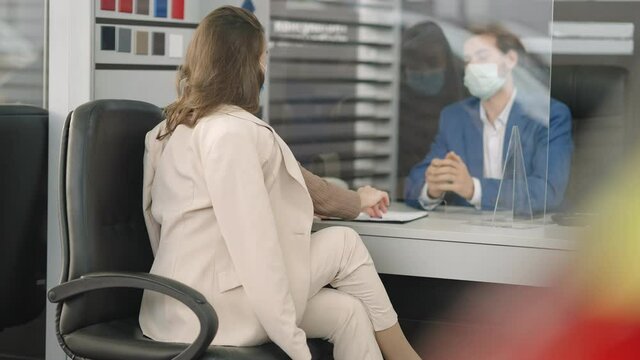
592 314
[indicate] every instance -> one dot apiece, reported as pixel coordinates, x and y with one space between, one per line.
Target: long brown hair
222 67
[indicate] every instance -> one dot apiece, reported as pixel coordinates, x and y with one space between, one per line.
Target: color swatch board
178 11
120 46
144 41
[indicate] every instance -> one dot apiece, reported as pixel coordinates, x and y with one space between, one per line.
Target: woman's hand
373 201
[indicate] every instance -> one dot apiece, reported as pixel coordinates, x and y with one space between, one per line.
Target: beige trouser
348 315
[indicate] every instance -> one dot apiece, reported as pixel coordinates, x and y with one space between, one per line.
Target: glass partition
421 98
478 135
22 39
333 86
475 108
23 139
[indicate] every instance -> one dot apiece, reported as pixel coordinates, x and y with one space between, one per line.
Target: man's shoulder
461 111
463 105
557 107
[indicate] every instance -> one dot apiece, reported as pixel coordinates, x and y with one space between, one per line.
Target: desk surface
462 224
455 244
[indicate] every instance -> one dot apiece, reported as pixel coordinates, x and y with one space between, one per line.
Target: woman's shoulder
231 118
231 123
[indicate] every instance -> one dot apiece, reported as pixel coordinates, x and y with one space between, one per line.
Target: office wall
69 86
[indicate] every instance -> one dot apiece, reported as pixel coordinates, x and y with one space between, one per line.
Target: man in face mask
467 157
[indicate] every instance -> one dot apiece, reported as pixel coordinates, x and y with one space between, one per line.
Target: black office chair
23 211
597 96
106 247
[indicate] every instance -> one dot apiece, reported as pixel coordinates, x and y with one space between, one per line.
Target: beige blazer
228 213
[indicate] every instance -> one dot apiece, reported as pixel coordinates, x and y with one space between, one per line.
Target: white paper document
394 216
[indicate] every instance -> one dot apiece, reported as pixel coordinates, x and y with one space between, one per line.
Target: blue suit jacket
460 130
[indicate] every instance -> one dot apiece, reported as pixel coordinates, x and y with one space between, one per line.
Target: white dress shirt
492 143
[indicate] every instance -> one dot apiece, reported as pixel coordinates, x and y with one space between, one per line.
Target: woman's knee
342 237
355 246
347 245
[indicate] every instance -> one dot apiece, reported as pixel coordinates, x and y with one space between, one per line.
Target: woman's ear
512 59
182 86
263 62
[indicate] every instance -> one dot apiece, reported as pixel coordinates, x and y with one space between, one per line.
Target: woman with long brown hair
229 213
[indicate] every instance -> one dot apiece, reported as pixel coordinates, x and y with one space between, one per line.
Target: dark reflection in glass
430 79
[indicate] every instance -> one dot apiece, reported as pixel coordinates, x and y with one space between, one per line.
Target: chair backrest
103 227
23 210
597 96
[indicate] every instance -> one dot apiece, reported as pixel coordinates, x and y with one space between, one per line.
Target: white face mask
483 80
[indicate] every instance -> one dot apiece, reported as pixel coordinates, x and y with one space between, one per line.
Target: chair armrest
177 290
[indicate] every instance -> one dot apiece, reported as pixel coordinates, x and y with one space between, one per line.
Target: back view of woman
229 214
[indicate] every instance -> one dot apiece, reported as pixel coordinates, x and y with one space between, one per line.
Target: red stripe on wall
177 9
126 6
108 5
